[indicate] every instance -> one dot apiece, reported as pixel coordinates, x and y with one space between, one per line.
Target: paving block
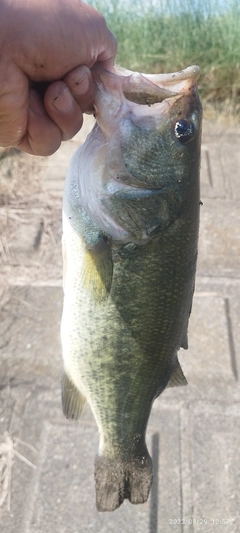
211 175
233 310
26 239
215 467
230 163
220 169
209 358
30 335
219 238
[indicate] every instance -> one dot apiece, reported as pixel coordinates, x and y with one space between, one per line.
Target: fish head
143 156
152 124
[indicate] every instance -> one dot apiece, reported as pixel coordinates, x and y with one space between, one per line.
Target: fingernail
64 101
35 103
81 86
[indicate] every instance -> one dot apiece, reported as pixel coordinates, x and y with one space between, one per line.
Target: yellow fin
177 378
98 270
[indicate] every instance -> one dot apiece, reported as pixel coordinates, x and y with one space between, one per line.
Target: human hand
56 42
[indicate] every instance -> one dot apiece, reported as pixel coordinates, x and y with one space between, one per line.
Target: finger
13 105
63 109
80 83
107 57
43 136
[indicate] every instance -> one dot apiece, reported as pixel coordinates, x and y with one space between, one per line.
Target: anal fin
177 378
73 401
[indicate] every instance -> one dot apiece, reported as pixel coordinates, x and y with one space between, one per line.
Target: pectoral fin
177 378
73 401
98 269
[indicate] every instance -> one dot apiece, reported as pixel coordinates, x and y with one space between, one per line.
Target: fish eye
184 130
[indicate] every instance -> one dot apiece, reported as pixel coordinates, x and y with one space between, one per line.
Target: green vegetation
168 35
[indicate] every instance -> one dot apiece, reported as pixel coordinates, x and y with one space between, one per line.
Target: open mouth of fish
154 95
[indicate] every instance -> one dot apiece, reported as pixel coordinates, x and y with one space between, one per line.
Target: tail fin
117 479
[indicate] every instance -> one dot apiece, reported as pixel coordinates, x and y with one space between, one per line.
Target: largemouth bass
130 232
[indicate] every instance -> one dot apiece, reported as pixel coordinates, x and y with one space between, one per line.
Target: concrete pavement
194 431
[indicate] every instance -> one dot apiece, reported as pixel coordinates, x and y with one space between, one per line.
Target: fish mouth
148 89
158 87
148 95
180 81
134 112
146 99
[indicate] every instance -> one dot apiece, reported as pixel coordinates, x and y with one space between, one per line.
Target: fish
130 244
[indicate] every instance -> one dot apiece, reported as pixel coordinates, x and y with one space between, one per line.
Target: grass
7 454
161 36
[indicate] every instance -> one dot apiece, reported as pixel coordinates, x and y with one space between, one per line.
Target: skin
57 42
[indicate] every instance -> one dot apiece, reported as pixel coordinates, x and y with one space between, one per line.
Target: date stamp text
199 521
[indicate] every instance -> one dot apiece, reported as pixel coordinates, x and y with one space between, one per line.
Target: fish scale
130 252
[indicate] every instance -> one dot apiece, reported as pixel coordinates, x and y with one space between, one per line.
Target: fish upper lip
155 87
192 72
189 73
